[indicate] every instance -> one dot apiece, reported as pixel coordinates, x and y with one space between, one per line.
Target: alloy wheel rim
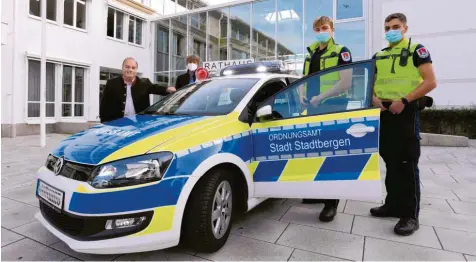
221 209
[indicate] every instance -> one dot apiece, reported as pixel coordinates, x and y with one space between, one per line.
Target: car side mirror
264 112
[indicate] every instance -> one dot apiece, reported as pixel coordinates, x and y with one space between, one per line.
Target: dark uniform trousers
400 149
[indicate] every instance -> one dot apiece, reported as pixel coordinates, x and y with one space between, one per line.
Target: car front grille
71 170
90 228
69 225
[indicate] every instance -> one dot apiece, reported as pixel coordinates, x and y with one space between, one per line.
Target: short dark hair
398 16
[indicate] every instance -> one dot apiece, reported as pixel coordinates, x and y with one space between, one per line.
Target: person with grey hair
128 94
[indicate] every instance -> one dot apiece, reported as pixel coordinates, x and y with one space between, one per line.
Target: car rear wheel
209 212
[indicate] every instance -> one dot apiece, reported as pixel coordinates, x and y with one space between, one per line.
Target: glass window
50 9
162 45
35 8
289 18
240 19
69 12
352 35
115 22
197 35
81 14
349 9
34 68
75 13
314 9
135 30
179 43
343 89
205 98
218 34
73 91
263 34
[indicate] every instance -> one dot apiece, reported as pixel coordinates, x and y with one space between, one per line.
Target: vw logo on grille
58 165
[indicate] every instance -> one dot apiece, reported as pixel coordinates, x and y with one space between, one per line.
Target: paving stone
9 237
16 214
458 241
309 217
462 207
301 255
383 229
260 229
435 204
171 254
447 220
71 259
323 241
12 181
466 194
242 248
438 193
37 232
61 246
24 194
269 210
470 258
362 209
28 250
380 250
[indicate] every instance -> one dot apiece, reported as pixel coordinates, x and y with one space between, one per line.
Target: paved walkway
282 229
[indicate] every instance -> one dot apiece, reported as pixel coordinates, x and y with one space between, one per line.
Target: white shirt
129 108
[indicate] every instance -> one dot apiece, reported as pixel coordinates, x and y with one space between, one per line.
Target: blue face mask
393 36
323 37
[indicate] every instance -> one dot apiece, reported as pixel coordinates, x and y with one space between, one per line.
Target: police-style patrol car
185 167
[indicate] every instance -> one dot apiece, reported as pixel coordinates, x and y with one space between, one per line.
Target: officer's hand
303 100
397 107
316 100
171 89
378 103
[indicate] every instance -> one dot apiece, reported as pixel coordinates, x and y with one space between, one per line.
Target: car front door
328 150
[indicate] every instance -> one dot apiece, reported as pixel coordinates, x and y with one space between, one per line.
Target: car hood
92 145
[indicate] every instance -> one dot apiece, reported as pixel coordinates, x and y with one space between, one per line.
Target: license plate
50 195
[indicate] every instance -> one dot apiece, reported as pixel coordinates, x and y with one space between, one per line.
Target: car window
341 89
211 97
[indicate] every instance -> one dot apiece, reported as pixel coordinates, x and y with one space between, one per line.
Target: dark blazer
183 80
114 97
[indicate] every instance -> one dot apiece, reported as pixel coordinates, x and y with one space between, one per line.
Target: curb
428 139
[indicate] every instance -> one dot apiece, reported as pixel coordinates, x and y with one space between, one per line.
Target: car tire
204 213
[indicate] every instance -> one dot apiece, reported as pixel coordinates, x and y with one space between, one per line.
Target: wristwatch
404 101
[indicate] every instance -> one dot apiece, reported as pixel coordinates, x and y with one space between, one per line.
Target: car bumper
119 245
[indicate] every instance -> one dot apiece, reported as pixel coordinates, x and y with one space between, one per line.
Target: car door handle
359 130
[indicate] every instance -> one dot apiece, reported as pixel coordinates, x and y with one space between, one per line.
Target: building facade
282 29
88 39
86 42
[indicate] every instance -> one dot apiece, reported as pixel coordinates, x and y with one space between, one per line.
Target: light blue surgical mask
323 37
393 36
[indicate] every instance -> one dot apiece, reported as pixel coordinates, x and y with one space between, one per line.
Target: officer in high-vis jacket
328 93
404 75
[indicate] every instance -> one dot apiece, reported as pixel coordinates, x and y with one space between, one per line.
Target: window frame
58 91
135 19
73 103
75 15
124 15
38 17
295 84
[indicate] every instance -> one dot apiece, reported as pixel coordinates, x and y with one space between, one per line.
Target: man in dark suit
189 77
128 94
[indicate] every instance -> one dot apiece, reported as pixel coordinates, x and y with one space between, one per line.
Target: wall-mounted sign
213 66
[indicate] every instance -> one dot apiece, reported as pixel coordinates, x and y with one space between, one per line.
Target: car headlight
132 171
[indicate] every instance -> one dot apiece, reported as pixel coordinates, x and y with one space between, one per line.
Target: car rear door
329 151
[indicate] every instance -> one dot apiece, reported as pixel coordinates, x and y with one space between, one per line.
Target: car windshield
210 97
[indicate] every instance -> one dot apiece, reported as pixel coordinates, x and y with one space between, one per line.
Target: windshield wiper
168 114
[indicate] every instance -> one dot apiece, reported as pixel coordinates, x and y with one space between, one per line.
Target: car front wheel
209 213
